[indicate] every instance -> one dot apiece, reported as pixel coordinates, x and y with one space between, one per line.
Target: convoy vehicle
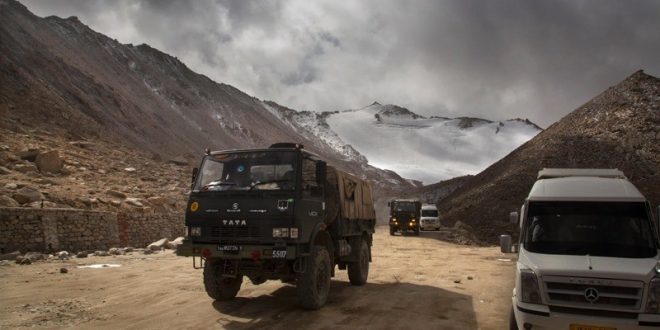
589 254
429 218
279 213
404 215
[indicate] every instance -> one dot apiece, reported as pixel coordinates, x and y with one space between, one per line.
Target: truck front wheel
359 271
314 283
217 286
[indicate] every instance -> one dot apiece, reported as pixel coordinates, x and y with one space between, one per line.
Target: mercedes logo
234 206
591 294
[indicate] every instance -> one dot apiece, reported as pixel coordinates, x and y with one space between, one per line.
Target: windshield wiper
258 183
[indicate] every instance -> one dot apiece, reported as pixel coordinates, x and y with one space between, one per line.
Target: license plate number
229 248
588 327
279 254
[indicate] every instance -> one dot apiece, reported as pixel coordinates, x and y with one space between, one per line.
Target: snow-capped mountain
428 149
85 85
424 149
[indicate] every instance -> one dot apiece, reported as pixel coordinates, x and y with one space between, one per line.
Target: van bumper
540 317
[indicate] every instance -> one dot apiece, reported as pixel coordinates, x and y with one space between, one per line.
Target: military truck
404 216
279 213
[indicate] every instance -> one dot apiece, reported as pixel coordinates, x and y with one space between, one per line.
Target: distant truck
277 214
589 254
404 216
429 219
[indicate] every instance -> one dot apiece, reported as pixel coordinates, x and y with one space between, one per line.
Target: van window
429 213
613 229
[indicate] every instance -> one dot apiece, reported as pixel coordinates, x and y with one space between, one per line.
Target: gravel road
414 282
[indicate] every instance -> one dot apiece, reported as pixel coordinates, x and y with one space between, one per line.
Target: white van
589 254
429 218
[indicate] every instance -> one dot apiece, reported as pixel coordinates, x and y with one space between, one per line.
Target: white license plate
229 248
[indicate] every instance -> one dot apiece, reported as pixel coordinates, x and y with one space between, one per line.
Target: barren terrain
414 282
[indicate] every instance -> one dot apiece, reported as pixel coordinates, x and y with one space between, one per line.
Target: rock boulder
49 161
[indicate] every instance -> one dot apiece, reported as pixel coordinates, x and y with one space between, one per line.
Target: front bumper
400 227
540 317
429 225
188 249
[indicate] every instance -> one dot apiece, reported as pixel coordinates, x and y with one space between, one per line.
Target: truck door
310 210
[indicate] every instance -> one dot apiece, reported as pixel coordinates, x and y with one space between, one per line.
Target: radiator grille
593 293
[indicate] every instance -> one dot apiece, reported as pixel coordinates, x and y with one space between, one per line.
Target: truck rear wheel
417 231
358 272
391 231
217 286
314 284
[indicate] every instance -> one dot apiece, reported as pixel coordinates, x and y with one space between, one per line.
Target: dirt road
414 282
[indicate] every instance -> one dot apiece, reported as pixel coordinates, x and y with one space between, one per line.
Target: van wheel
314 283
358 272
512 321
217 286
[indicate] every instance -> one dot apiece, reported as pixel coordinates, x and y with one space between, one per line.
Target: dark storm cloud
494 59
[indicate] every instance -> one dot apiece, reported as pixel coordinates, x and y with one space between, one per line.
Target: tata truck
279 213
404 216
589 255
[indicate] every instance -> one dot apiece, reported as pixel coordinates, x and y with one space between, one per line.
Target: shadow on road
376 305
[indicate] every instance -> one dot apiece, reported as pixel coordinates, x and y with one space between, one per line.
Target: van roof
429 207
548 173
584 188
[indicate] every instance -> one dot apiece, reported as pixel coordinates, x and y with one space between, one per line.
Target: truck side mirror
320 172
513 217
194 174
388 204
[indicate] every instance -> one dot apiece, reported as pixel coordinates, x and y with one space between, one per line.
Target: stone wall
27 229
139 230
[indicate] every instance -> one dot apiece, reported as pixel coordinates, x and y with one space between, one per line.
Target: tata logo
591 295
234 222
234 208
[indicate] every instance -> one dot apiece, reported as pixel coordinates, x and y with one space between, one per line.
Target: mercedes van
588 256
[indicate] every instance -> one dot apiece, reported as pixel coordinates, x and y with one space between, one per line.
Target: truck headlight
277 232
529 287
294 232
195 231
652 303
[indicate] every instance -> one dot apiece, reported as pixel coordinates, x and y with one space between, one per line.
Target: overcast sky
492 59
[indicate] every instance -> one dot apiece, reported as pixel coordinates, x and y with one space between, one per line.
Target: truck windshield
247 171
403 206
429 213
610 229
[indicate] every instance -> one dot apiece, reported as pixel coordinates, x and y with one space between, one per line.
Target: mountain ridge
619 128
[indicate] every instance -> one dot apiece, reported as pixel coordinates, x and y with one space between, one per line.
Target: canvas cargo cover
355 196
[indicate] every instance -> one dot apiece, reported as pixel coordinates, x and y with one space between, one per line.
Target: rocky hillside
59 76
88 175
620 128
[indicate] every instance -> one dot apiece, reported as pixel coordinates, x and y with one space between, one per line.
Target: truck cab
589 254
429 219
404 216
279 213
